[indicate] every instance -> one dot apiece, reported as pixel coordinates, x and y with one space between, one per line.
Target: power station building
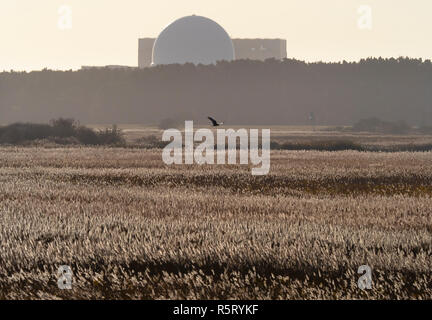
253 49
197 39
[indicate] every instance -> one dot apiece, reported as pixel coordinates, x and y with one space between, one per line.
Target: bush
87 136
19 132
61 131
63 127
111 136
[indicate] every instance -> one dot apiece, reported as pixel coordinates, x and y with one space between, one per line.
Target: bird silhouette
214 122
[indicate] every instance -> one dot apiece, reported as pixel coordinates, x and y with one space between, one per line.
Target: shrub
112 136
61 131
63 127
19 132
87 136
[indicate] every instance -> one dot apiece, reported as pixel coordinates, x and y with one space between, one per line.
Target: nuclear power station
199 40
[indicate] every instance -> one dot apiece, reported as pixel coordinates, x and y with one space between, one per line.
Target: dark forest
240 92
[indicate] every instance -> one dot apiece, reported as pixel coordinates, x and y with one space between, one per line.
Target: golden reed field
131 227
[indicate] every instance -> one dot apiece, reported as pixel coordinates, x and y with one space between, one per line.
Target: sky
67 34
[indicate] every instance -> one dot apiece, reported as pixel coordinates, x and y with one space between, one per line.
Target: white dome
193 39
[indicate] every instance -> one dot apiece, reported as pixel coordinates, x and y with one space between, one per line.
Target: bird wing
214 122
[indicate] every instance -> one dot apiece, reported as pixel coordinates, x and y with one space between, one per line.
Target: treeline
240 92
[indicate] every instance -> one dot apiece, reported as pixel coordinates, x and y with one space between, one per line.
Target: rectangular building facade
253 49
260 49
145 52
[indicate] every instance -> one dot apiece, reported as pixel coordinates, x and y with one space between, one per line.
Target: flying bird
214 122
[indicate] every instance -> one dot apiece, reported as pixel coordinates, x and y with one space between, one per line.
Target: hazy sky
107 31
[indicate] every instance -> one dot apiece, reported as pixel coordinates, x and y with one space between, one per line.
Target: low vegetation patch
380 126
331 145
59 131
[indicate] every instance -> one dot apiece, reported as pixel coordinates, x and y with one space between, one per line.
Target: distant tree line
239 92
